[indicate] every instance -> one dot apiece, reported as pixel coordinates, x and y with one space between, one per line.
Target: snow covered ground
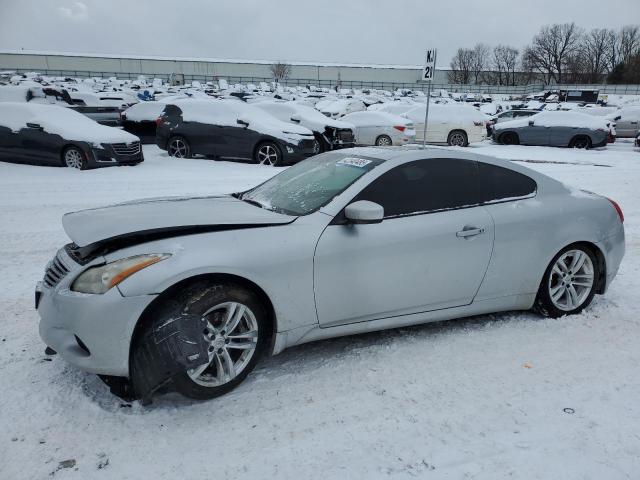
499 396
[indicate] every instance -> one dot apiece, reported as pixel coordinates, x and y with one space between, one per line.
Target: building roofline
205 60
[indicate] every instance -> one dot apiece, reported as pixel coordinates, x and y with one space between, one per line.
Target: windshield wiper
253 202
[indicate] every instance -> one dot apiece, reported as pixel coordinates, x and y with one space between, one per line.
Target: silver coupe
186 294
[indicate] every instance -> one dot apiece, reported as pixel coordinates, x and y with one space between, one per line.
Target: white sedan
457 125
381 128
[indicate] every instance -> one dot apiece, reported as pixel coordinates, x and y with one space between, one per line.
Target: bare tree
461 65
628 42
593 54
479 61
280 71
551 49
504 63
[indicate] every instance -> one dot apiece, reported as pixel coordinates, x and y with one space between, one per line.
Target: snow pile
61 121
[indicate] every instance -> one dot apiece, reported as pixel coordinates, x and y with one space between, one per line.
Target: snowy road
482 398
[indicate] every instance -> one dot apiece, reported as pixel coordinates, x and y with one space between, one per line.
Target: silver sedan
187 293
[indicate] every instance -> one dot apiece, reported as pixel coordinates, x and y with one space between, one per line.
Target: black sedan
58 136
231 130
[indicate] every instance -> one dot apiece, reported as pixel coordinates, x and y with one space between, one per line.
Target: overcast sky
349 31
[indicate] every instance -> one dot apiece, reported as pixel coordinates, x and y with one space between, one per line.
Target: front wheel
73 157
268 153
568 285
226 321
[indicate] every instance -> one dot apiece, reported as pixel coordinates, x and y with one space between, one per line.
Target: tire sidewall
196 299
543 303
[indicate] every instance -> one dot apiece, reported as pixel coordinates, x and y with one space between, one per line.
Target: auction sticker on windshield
354 162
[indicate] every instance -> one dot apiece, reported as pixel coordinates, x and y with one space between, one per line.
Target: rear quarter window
499 184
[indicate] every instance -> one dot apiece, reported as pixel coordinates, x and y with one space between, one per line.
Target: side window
425 186
499 184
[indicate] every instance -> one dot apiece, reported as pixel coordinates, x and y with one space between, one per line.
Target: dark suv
232 130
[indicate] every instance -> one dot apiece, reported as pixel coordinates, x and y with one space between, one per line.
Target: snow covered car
628 125
507 116
341 107
455 125
231 129
58 136
187 293
554 129
141 119
381 128
330 134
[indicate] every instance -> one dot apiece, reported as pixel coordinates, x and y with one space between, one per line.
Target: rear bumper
613 248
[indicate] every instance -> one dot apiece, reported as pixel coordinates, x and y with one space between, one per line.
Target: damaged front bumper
91 332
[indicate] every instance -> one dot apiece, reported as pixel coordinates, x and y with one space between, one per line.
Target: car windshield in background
311 184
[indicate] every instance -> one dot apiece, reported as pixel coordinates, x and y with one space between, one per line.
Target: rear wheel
509 138
458 138
229 323
581 142
178 147
73 157
569 283
384 141
268 153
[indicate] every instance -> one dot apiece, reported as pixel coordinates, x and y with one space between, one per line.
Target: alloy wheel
232 334
581 143
458 140
267 155
571 280
384 142
73 158
177 148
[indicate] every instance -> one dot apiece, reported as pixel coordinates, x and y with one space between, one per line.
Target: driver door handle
469 232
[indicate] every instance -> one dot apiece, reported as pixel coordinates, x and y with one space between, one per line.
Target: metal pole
426 113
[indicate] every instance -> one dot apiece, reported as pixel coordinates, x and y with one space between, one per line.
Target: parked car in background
456 125
141 119
506 116
556 129
58 136
187 294
381 128
233 130
628 125
638 141
103 114
329 133
340 108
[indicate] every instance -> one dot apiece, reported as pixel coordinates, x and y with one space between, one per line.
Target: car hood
164 217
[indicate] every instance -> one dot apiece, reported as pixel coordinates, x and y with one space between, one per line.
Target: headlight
289 149
101 279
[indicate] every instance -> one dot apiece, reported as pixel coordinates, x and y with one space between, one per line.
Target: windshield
310 184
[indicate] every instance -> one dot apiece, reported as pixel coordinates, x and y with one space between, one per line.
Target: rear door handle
469 232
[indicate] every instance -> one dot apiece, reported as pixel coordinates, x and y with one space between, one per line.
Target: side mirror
531 123
35 126
243 123
363 212
295 118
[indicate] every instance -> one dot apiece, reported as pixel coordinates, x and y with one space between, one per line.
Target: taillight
402 128
159 121
618 209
